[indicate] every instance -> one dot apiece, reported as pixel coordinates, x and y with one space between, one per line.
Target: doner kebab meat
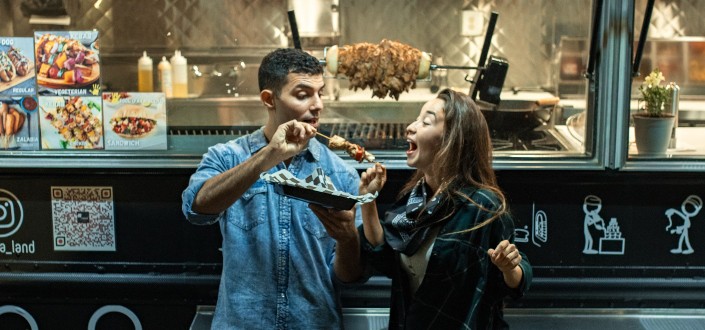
389 67
355 151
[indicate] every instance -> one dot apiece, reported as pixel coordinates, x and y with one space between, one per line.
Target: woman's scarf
405 228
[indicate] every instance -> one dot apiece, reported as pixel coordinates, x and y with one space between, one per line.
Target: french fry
3 114
2 126
9 124
19 120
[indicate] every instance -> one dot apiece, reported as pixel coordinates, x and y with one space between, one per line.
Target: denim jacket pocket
254 204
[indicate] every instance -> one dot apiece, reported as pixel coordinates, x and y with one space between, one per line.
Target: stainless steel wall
527 32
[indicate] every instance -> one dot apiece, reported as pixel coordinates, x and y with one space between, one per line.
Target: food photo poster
71 122
135 121
19 123
17 75
67 63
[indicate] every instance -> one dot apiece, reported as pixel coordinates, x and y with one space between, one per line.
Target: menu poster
135 121
19 123
67 63
71 122
17 66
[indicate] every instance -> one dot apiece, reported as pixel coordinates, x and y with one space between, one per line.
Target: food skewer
454 67
323 135
355 151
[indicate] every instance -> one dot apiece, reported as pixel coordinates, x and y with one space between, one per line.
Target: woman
447 242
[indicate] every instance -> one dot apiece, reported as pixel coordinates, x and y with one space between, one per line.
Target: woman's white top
415 265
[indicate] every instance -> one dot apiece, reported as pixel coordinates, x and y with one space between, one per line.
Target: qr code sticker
83 218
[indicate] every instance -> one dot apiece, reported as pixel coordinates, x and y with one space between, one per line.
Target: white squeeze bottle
165 82
144 74
180 74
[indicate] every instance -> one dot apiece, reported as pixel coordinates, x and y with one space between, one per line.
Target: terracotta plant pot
652 134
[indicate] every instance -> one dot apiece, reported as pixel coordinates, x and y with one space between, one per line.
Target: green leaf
94 106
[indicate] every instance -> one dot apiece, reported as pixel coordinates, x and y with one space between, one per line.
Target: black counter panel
160 263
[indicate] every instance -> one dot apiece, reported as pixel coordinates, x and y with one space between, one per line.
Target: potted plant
653 122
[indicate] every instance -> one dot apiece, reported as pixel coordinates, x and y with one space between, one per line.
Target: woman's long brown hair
465 155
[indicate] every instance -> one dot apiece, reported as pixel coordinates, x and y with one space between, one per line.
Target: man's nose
317 103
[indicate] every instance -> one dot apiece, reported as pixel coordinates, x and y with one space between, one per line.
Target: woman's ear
267 97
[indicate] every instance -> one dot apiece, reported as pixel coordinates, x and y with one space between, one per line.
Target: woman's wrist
513 276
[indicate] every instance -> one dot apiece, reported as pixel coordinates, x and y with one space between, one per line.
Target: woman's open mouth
412 148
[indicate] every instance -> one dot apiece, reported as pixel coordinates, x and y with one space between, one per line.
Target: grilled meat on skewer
355 151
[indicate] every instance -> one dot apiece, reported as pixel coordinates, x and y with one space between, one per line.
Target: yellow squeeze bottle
144 74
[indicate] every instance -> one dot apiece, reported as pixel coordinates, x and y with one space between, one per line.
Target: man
283 260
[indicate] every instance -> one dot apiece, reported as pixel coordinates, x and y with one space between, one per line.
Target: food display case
103 229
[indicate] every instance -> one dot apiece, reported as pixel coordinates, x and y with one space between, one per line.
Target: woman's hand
373 179
506 257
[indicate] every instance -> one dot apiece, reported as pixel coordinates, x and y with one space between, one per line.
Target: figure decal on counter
539 229
593 223
610 237
521 235
612 242
690 207
540 226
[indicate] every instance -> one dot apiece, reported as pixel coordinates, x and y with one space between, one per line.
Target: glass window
535 60
676 47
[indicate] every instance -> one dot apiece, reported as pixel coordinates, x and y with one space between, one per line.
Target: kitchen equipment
512 117
316 18
221 79
492 79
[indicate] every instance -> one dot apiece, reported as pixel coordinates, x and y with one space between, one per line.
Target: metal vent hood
316 18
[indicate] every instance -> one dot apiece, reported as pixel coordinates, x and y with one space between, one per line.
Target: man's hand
340 224
291 137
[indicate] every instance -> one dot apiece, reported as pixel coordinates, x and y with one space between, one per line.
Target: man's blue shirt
277 256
